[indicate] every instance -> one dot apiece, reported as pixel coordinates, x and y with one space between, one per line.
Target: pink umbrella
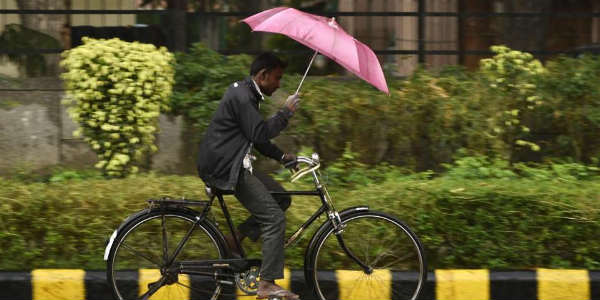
324 36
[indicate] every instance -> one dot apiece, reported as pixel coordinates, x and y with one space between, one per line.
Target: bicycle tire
136 257
377 239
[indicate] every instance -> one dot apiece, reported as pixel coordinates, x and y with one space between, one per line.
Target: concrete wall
36 132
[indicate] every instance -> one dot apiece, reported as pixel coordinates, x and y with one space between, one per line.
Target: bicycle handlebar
313 163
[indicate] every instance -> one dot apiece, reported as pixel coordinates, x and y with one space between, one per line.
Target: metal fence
421 14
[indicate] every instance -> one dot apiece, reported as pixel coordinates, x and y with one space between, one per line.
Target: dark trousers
267 218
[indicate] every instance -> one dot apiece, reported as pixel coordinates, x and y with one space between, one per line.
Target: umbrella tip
332 23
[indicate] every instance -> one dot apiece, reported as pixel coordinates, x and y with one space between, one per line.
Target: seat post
230 224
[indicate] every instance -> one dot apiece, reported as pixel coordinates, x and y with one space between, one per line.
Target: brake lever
299 173
292 165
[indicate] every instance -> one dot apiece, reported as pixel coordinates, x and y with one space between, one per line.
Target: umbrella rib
360 66
286 25
313 27
334 40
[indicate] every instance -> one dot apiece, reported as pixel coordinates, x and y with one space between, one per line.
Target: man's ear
262 74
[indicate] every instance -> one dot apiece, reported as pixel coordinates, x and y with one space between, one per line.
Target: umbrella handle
310 64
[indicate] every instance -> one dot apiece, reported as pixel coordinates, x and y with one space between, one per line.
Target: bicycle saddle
211 191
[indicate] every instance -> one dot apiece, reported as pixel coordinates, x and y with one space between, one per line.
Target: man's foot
230 240
268 289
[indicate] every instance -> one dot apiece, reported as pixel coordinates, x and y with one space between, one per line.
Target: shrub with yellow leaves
513 78
116 91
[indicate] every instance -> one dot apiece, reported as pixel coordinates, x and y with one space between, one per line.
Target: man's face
269 81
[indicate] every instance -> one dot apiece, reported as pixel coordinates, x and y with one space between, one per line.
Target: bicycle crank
247 281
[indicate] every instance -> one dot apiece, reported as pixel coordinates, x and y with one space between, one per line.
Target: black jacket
235 125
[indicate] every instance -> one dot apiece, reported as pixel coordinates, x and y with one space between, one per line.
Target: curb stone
475 284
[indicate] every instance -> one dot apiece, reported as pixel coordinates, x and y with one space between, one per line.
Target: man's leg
267 213
250 228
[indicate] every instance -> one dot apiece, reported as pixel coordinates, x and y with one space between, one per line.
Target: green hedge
501 218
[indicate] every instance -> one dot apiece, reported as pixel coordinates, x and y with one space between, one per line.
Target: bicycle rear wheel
380 241
140 252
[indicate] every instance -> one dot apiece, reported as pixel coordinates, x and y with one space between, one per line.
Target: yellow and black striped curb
472 284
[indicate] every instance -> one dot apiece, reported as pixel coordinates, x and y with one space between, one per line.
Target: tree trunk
526 33
50 24
177 21
475 31
256 6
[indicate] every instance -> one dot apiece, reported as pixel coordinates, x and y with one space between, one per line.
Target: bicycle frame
326 207
227 269
205 267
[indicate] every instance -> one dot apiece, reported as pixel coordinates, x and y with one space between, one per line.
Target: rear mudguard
321 231
146 211
115 233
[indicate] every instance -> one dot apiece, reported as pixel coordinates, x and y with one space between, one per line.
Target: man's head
267 70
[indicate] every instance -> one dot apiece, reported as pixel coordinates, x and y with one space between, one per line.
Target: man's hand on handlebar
290 161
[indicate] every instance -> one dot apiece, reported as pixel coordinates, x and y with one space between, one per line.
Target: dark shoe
269 290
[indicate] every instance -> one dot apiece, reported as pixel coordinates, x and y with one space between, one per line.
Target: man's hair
268 61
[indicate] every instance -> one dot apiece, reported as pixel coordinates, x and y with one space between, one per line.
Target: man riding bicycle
225 162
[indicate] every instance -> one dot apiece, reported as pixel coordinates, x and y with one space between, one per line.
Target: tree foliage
117 91
15 37
512 108
201 78
512 77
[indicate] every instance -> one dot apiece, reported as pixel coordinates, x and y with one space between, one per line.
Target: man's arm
255 128
270 150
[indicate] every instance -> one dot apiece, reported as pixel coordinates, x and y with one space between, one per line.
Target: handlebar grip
291 164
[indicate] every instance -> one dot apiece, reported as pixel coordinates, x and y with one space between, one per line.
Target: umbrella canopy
325 36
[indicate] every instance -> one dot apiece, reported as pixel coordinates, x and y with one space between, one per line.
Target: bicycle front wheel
138 260
382 243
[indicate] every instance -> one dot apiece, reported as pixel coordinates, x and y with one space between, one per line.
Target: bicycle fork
338 228
340 239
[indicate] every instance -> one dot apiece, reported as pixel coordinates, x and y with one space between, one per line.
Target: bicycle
172 251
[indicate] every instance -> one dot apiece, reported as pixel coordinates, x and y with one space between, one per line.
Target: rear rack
167 201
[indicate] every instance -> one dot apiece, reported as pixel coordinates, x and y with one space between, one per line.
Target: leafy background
513 108
493 168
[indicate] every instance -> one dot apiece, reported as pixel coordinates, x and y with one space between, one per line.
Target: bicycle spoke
398 260
135 252
367 258
164 240
382 255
